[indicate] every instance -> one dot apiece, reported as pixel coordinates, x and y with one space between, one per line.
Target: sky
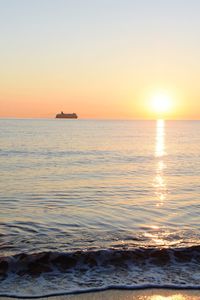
102 59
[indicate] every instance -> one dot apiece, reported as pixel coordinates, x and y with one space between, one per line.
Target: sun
161 102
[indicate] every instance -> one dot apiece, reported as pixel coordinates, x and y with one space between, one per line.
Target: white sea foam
43 274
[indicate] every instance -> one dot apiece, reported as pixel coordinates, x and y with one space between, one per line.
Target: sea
88 205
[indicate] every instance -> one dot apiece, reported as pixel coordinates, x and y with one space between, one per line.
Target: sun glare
161 102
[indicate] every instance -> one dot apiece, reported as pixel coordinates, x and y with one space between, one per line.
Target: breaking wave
53 273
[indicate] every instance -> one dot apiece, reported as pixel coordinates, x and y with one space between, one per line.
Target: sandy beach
150 294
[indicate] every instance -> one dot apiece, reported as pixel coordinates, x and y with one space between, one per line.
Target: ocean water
88 204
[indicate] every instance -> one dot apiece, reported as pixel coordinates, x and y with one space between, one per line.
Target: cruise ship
62 115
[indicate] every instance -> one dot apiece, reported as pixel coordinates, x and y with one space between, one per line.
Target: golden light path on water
159 183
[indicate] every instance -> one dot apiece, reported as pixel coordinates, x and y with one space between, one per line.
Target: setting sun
161 102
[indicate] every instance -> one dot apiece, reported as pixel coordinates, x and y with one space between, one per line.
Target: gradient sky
99 58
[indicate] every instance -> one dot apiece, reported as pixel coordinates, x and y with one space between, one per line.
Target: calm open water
94 204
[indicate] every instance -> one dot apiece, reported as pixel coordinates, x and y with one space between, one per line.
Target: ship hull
66 116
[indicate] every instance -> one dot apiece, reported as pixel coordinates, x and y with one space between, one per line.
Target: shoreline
122 294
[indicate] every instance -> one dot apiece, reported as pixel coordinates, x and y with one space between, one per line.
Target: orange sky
99 60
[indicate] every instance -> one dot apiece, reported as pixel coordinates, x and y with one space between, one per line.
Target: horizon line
97 119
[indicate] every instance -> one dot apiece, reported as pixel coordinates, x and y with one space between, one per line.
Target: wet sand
150 294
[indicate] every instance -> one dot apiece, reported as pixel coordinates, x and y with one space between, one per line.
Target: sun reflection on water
156 234
159 182
160 138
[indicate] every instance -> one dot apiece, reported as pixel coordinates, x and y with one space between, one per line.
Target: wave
54 273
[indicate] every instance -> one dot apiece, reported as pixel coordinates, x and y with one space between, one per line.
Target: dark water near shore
91 204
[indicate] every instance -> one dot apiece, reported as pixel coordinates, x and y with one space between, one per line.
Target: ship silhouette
62 115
